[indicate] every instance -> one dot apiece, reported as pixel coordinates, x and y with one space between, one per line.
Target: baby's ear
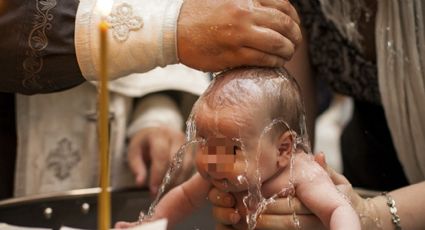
285 144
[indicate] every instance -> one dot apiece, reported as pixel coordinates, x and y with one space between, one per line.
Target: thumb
336 178
321 160
160 152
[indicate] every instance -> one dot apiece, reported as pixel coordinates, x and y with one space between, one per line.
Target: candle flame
104 6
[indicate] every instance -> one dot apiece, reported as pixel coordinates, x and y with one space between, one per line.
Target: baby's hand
123 224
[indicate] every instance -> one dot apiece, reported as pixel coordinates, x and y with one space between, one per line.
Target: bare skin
319 195
279 215
410 202
266 35
312 184
215 35
154 148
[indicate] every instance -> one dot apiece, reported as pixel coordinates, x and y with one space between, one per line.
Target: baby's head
234 117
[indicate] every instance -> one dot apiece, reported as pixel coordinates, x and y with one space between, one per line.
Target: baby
250 127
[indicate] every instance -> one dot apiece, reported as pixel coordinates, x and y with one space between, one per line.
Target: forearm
182 200
139 47
174 206
154 111
410 204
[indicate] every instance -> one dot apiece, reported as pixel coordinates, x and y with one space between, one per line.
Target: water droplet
241 179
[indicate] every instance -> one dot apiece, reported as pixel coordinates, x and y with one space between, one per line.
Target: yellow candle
104 200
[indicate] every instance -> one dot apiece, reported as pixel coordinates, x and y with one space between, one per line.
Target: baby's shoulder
306 169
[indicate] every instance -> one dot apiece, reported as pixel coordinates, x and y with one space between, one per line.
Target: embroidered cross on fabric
63 159
123 21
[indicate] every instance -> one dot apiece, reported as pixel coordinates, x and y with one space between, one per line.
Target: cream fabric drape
400 39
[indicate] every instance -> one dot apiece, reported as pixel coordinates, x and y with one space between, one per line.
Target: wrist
392 211
376 214
369 213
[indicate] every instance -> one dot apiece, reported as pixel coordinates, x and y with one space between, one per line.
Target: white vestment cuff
153 111
142 35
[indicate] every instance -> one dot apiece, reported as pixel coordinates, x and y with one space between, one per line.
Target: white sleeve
142 36
153 111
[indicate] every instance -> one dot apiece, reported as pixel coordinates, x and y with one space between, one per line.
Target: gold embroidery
123 21
37 41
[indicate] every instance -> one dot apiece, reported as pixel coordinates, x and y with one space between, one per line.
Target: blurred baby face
230 151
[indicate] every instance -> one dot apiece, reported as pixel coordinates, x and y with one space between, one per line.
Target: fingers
221 199
283 206
156 145
282 23
321 160
276 30
223 210
231 34
252 57
135 161
284 6
160 154
227 216
278 45
336 177
272 222
123 224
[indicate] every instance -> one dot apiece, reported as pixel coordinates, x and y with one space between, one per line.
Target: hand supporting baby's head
247 112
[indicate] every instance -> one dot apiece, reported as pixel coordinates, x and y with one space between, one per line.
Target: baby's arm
320 195
182 200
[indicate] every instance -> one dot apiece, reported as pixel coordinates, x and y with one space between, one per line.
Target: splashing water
175 165
295 218
190 128
250 5
369 217
241 179
254 200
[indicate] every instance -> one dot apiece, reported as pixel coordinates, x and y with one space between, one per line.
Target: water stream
254 201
